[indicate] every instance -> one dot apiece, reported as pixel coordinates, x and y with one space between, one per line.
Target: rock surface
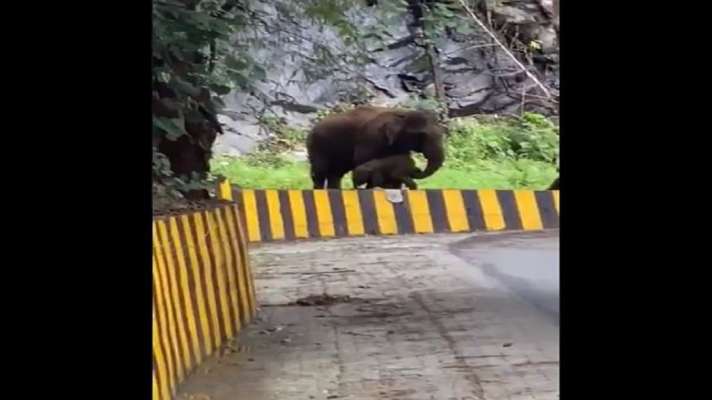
477 77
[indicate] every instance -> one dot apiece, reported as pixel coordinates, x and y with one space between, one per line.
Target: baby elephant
388 172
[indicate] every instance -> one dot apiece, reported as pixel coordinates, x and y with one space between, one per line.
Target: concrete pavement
410 317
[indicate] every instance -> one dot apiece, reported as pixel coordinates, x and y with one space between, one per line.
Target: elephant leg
318 173
333 181
318 179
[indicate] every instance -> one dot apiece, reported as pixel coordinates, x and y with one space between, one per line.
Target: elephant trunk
435 156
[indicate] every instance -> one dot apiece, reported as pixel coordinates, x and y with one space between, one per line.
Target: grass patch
485 174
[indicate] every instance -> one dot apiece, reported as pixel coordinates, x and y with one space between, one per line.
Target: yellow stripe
175 296
323 213
420 211
491 210
220 268
230 263
225 190
243 292
202 232
299 213
165 299
555 193
155 388
160 366
455 210
385 214
275 216
246 261
253 221
197 280
352 209
528 210
187 295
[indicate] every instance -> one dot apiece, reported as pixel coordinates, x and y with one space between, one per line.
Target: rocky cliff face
474 75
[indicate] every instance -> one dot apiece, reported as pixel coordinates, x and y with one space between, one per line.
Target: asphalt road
526 264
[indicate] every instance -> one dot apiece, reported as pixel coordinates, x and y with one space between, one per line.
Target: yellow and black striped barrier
300 214
203 291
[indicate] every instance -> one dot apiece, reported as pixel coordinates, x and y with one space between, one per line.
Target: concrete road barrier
203 291
272 215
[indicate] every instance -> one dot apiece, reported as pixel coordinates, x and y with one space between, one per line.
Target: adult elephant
339 143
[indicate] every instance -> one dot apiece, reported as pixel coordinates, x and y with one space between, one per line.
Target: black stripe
475 218
368 211
547 209
437 210
286 210
402 212
510 210
310 208
338 213
263 215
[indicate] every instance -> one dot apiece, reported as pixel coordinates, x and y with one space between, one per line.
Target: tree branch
505 49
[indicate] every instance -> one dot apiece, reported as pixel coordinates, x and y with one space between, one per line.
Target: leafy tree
202 51
193 64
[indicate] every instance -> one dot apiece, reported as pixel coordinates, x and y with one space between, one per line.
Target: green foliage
168 188
270 152
531 137
325 112
265 158
332 12
283 134
194 63
493 174
429 104
164 183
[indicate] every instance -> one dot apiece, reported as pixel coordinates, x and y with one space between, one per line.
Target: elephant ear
392 127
